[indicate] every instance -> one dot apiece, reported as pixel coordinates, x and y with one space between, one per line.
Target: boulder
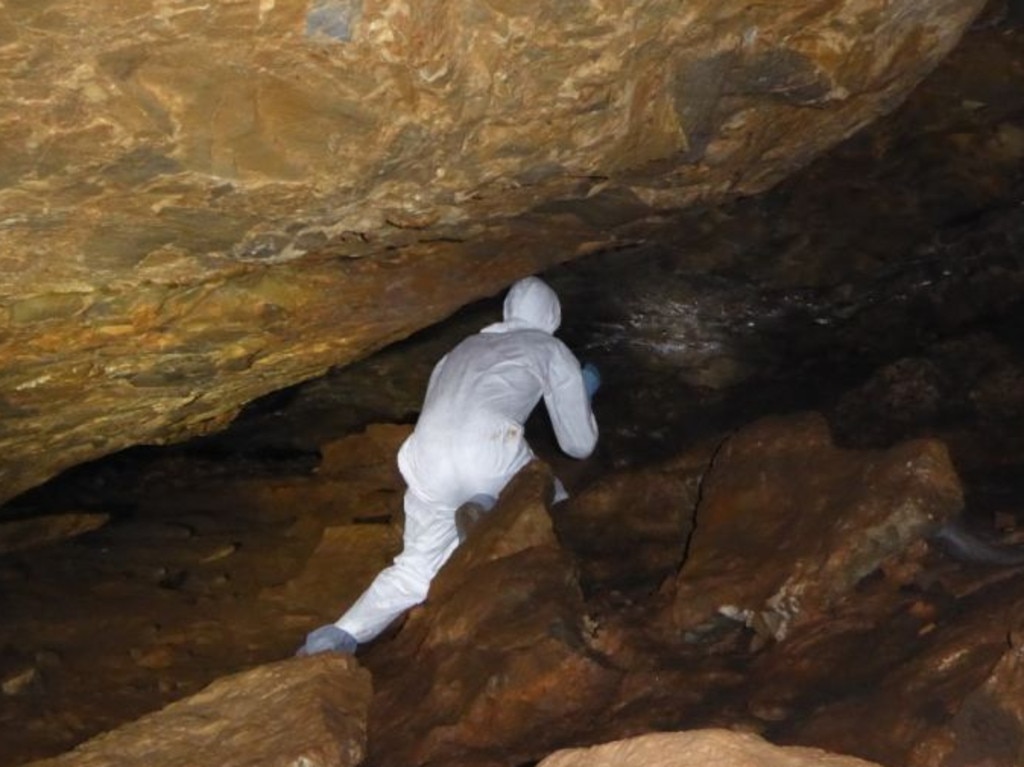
788 523
520 521
495 668
629 528
698 748
309 711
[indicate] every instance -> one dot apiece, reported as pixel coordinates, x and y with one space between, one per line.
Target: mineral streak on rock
204 202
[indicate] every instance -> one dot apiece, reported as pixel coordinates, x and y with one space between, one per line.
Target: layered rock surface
496 667
811 519
310 712
204 203
510 660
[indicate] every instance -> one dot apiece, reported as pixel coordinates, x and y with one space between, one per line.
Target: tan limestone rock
698 748
519 521
202 203
309 711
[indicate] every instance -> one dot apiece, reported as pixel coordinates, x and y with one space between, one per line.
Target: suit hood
531 303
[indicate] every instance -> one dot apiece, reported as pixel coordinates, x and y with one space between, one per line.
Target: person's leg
430 538
469 514
328 638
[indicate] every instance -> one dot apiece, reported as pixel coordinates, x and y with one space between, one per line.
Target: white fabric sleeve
568 405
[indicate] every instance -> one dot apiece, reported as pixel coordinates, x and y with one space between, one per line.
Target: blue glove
591 379
328 638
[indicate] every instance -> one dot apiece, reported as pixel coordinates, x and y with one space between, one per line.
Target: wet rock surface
888 304
988 725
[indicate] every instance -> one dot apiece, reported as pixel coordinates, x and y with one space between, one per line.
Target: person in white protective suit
468 443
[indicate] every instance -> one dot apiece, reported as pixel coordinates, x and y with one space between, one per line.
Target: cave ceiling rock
310 712
203 202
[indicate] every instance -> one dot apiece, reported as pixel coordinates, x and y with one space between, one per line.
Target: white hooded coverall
469 440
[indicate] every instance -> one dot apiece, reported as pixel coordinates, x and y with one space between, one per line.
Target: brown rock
962 675
788 523
342 566
21 534
502 533
495 667
309 711
629 529
357 481
370 454
989 726
215 201
698 748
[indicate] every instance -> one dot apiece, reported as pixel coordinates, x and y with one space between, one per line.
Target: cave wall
203 202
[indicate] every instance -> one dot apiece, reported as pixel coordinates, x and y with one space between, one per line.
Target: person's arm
568 403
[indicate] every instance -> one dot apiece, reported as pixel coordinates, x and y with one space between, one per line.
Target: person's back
469 438
489 376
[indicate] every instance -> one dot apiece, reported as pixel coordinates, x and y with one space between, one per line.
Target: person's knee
484 500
